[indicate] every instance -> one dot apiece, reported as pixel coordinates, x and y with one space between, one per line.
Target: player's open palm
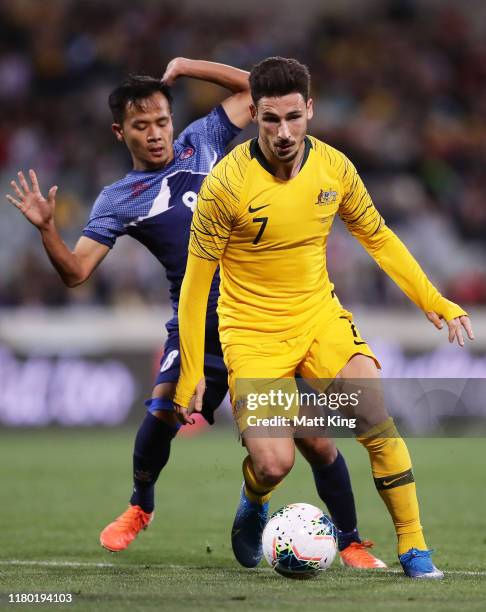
30 201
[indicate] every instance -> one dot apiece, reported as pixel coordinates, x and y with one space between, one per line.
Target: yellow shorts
320 353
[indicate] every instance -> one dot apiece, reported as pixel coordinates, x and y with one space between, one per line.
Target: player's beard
285 155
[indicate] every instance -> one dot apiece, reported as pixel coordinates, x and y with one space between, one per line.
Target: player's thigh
166 381
258 371
273 359
169 369
161 402
272 458
340 360
360 375
317 450
216 376
359 366
335 344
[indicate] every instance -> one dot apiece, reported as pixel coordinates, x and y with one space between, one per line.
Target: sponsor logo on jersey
326 197
255 209
186 153
139 188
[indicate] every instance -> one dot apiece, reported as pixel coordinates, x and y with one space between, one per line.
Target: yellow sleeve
192 322
217 206
367 225
210 230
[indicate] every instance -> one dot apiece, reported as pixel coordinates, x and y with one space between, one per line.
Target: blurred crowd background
399 86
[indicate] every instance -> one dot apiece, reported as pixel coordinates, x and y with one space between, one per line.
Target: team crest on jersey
326 197
186 153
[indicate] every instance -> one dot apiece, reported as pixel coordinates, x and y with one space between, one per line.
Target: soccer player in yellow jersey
264 214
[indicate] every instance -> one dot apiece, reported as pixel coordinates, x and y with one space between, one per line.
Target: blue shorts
214 371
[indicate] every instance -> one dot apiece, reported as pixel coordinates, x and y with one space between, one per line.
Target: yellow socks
392 472
257 493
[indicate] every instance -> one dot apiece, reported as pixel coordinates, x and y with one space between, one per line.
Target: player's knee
167 417
318 451
270 473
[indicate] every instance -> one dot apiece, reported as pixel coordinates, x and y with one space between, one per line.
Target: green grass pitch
60 488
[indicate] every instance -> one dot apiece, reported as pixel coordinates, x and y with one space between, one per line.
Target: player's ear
253 112
310 108
117 129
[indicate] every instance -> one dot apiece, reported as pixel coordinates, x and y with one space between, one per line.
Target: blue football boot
418 564
246 534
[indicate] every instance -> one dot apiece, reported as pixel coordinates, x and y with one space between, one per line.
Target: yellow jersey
269 236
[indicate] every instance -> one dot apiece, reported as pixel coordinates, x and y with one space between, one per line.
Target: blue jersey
156 207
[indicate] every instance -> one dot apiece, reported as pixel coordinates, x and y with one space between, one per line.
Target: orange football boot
356 555
124 529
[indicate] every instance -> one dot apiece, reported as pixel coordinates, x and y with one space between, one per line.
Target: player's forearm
233 79
400 265
62 258
192 323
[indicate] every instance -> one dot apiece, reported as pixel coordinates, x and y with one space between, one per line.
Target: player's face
148 132
282 126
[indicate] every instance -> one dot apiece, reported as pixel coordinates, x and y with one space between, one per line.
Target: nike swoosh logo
387 483
254 210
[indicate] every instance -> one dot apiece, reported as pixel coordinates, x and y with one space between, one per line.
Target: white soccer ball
299 541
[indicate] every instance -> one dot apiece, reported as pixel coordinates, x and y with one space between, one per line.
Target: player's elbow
71 283
77 272
74 280
245 87
378 241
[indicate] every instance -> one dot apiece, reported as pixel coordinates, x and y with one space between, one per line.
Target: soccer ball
299 541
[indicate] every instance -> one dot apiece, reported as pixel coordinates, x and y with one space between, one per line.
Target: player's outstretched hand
455 326
175 69
30 201
196 405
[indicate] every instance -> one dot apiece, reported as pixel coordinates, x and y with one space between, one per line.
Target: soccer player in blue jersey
154 203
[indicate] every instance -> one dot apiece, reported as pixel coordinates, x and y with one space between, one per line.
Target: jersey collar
256 152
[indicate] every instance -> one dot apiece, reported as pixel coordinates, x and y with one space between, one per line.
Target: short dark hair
279 76
134 88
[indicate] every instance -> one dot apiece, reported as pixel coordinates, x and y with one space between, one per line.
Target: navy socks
151 453
334 488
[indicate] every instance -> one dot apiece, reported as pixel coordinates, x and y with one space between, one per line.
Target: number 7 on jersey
263 221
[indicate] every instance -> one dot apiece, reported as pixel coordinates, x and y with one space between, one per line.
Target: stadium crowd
402 94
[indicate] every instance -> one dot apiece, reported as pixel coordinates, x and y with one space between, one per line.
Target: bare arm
237 106
74 267
234 79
